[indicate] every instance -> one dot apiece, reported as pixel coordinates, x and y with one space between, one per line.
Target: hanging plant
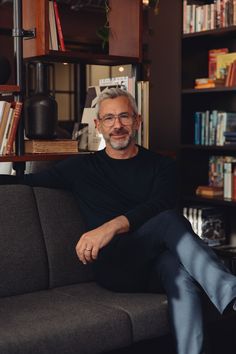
103 32
154 4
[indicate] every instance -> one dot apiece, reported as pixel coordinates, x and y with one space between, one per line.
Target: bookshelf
125 47
194 159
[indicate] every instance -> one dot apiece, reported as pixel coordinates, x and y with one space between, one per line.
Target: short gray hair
115 92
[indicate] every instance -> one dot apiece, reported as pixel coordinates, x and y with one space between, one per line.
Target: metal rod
19 69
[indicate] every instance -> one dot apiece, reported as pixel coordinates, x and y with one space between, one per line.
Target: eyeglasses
124 118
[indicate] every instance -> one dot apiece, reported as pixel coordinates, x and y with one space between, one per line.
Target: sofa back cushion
23 259
62 227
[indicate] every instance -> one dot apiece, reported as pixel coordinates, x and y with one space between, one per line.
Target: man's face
121 133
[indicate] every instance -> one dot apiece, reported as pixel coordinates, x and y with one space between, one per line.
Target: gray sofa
49 302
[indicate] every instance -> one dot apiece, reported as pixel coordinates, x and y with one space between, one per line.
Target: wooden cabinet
125 42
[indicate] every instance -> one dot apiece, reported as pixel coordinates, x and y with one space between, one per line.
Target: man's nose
117 123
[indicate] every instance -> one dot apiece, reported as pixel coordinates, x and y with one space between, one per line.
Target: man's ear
138 121
97 124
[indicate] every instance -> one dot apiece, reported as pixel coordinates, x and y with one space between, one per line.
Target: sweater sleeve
162 197
58 176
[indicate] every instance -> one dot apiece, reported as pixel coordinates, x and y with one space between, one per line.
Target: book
212 55
228 179
209 191
4 119
95 139
222 63
58 25
53 40
143 109
6 132
13 128
51 146
207 222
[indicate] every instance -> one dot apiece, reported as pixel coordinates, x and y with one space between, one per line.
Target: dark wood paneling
164 53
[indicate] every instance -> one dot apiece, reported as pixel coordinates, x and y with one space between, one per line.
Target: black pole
19 73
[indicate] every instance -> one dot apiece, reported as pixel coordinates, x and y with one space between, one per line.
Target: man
134 238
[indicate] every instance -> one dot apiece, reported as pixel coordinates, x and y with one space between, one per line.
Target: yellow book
222 62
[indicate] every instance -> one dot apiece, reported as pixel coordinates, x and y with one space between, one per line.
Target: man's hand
92 241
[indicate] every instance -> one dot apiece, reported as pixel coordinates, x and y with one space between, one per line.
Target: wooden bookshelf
194 159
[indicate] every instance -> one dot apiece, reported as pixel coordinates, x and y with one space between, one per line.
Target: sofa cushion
22 249
62 227
50 322
147 311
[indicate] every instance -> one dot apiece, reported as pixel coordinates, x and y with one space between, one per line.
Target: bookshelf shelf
9 89
210 148
36 157
218 201
84 57
220 32
210 90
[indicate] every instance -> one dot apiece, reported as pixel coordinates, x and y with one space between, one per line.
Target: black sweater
139 187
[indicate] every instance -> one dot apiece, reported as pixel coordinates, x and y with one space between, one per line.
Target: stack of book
207 222
222 178
9 119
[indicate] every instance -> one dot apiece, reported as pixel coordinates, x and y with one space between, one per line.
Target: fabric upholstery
22 249
48 322
62 226
147 312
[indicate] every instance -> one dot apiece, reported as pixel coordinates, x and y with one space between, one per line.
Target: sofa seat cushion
49 322
148 312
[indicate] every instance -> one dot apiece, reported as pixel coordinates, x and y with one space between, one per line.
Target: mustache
119 131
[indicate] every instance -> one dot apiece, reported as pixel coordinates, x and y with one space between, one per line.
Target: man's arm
92 241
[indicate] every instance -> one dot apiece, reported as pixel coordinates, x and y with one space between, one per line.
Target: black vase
40 109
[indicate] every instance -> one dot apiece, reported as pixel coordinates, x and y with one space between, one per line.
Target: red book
59 29
13 129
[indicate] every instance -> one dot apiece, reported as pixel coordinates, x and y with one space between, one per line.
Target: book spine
227 180
234 182
59 29
12 133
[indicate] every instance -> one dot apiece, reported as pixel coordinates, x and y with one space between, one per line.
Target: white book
6 132
228 180
53 40
95 139
2 105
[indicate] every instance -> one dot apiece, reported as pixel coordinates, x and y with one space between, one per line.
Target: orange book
13 128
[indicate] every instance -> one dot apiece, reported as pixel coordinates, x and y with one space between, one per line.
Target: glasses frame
106 123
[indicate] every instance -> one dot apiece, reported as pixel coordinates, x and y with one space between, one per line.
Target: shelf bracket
26 34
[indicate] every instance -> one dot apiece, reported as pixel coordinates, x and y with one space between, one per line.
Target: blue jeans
165 253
